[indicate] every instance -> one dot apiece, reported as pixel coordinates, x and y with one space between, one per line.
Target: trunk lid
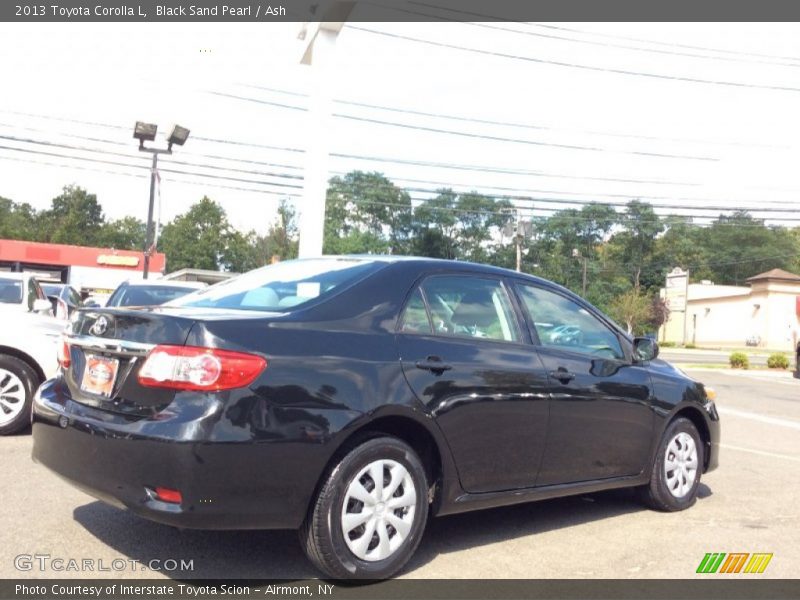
107 348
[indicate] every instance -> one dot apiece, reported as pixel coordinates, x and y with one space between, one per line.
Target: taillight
63 355
201 369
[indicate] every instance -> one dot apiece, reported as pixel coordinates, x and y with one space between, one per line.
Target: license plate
99 375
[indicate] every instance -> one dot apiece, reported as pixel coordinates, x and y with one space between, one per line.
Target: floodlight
145 132
178 136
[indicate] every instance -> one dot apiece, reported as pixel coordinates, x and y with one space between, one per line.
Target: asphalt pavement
748 505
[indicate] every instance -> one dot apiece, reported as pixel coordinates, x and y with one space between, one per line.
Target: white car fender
33 337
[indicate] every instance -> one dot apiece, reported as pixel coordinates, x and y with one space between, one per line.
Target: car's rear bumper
244 484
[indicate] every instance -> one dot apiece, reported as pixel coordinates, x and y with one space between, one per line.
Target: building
765 314
82 267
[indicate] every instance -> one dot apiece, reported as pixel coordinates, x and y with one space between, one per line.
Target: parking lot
749 504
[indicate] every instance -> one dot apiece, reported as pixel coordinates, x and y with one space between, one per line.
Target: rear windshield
282 286
141 295
10 291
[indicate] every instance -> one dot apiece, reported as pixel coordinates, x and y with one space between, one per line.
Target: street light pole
146 132
149 231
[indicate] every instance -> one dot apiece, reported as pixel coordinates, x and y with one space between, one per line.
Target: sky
690 115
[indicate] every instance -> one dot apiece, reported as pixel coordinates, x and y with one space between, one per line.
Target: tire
18 383
361 552
675 489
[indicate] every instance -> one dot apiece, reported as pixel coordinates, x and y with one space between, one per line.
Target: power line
487 17
482 136
538 127
667 44
144 176
413 162
173 161
587 42
161 169
557 63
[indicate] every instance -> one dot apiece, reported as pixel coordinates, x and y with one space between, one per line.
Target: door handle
562 375
433 364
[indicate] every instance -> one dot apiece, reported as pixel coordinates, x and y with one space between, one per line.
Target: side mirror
89 304
644 349
42 306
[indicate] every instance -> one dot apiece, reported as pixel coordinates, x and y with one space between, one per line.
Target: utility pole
577 254
518 241
318 49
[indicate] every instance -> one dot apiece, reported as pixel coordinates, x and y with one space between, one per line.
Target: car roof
190 285
441 263
15 275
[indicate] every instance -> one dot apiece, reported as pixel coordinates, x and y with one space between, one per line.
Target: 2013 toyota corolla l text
352 397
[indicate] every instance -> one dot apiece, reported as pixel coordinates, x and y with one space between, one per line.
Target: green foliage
690 346
739 360
633 309
365 212
202 238
666 344
778 361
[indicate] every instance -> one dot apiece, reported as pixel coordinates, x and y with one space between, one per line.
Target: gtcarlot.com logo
46 562
734 562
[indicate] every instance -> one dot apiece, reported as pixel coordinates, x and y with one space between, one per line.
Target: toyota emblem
100 326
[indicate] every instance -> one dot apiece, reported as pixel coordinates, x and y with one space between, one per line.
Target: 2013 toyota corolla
351 397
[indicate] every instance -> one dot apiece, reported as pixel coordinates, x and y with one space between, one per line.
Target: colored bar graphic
734 562
713 562
758 563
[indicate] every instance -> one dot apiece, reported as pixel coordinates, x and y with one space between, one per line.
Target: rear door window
473 307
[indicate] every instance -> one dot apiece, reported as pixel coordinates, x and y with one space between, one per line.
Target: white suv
29 338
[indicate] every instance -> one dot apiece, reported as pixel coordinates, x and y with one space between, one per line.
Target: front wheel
369 516
18 383
677 468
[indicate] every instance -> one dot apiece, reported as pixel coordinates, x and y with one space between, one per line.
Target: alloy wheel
12 396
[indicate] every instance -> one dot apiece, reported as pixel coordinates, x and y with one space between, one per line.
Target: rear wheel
18 383
677 468
370 513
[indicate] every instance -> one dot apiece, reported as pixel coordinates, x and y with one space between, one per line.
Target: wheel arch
695 415
26 358
409 426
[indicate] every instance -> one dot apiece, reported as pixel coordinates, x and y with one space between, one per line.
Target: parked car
28 355
21 293
149 292
64 298
352 397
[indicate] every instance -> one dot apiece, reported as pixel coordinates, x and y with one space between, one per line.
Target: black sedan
352 397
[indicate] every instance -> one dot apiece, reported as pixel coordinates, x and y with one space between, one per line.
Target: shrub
778 361
690 347
667 344
739 360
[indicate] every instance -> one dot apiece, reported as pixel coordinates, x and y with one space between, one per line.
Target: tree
631 308
19 221
202 238
281 240
366 212
634 244
740 246
75 217
127 233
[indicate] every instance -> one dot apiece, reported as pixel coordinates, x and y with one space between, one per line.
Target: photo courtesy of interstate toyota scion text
352 398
